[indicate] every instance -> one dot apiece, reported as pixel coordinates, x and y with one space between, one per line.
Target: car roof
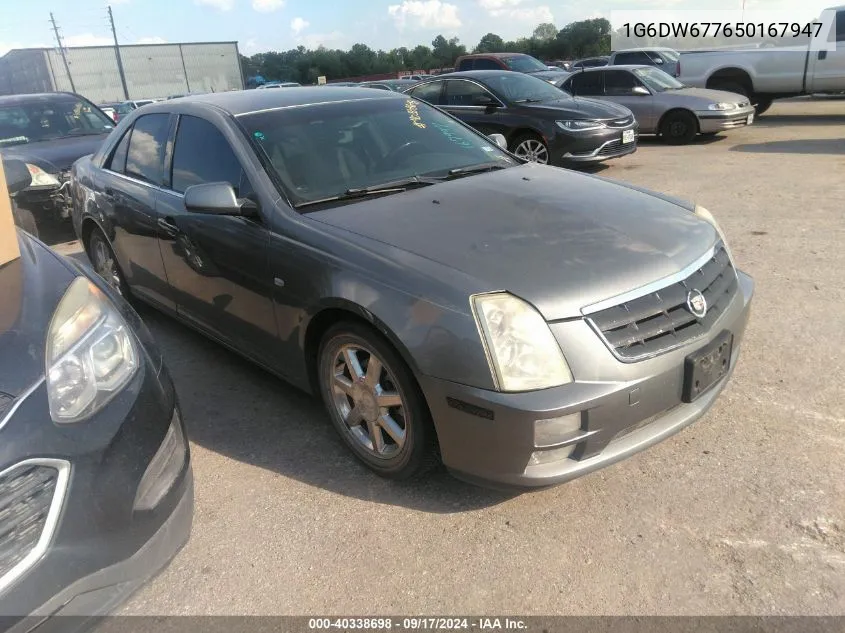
245 101
642 49
476 74
7 99
496 55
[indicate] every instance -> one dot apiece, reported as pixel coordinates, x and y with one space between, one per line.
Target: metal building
151 70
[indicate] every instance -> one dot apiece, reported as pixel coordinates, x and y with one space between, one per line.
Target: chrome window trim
20 400
652 287
145 183
50 525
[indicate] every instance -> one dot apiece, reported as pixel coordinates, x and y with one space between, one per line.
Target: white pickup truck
764 74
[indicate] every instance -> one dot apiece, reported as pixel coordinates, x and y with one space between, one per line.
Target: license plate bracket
628 136
707 366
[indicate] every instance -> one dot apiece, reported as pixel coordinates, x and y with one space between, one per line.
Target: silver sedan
662 104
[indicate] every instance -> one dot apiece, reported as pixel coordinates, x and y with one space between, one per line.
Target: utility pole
62 51
117 54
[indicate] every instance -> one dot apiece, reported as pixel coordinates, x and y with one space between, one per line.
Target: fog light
164 468
556 430
551 455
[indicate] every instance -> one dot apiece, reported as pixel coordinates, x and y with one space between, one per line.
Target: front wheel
374 402
105 263
531 147
679 128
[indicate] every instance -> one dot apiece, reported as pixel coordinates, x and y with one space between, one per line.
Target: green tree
544 32
445 52
490 43
585 38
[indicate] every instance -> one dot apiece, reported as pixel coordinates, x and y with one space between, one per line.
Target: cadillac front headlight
91 354
705 215
522 351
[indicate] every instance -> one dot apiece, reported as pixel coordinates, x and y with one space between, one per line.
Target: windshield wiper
395 186
475 169
529 100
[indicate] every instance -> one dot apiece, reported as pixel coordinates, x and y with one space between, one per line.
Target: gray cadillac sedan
661 104
521 323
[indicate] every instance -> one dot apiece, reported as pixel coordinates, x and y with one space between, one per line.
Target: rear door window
429 92
117 162
487 64
146 148
618 82
586 84
465 93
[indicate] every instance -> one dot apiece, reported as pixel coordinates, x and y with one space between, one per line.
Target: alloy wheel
365 395
104 263
533 150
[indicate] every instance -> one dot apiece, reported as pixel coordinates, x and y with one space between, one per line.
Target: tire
395 438
531 147
101 256
25 219
679 127
762 105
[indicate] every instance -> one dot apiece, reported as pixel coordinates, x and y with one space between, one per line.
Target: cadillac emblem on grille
696 303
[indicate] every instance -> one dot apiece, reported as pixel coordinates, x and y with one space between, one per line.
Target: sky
262 25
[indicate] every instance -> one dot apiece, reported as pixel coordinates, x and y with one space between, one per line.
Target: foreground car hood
56 155
31 287
581 108
559 239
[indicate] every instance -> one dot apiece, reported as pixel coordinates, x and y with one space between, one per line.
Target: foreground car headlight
705 215
721 106
91 353
522 351
579 125
41 178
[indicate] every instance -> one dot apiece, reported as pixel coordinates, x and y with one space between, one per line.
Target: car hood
580 108
559 239
55 155
31 286
706 95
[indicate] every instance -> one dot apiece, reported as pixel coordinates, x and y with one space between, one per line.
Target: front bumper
488 437
102 547
711 121
569 148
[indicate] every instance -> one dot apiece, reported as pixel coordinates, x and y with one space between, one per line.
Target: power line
62 51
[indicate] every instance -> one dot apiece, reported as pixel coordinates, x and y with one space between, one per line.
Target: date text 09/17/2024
417 624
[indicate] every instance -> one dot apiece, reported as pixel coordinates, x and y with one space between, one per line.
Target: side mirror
499 140
18 177
640 91
217 198
485 100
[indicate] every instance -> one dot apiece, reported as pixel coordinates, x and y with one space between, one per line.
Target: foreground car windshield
326 150
519 88
525 64
657 80
44 119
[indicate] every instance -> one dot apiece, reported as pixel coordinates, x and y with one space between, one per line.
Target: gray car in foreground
522 323
661 104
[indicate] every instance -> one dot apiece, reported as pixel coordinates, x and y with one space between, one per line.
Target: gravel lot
742 513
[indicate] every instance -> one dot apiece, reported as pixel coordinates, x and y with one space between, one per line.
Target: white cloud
297 25
425 14
267 6
517 11
155 39
87 39
220 5
249 47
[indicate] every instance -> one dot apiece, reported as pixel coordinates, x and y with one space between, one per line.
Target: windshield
519 88
322 151
672 56
657 80
47 118
524 64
